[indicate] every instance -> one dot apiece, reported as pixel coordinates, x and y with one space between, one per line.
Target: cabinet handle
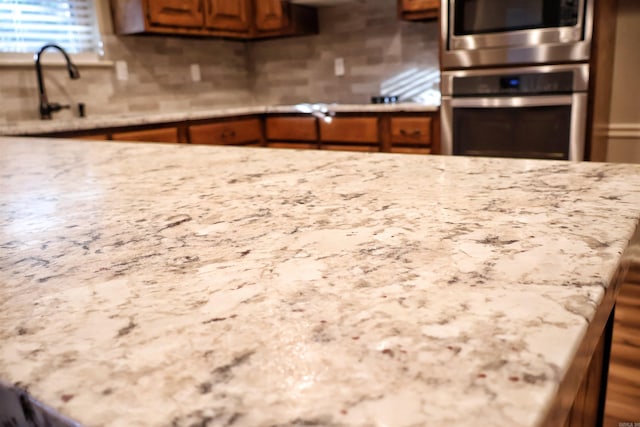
200 6
406 133
228 134
171 9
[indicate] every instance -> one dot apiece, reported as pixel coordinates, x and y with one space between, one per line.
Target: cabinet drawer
294 145
419 5
291 128
100 137
411 150
350 147
411 130
226 133
149 135
350 129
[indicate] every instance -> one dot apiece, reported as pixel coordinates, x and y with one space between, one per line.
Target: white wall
624 132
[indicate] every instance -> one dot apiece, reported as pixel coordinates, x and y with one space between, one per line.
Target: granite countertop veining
154 285
35 127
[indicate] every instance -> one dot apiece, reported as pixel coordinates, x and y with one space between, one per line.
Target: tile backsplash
381 54
159 79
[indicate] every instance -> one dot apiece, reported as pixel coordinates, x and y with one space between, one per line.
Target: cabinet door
234 132
361 130
270 15
148 135
411 130
176 13
291 129
227 15
415 10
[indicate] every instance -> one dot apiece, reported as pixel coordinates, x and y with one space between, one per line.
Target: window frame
52 58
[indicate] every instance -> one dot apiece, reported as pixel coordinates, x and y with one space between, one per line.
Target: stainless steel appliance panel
531 36
532 112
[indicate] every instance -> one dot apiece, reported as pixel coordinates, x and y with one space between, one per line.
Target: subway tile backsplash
382 55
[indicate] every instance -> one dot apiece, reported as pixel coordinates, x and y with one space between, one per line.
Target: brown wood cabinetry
148 135
240 19
179 13
270 15
96 137
401 132
350 134
412 134
623 390
418 10
291 128
411 130
233 132
228 15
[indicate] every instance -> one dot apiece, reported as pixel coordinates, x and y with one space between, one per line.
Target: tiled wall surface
159 79
381 55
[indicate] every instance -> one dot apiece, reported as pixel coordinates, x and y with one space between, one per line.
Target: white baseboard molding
624 130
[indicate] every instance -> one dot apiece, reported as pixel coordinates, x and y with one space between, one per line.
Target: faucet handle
54 106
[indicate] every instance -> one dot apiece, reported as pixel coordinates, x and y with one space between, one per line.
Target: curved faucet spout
47 108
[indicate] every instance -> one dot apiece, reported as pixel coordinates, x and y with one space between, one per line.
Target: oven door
538 127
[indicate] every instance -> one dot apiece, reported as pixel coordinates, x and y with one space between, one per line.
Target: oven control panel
514 84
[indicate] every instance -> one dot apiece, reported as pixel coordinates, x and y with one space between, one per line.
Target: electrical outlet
195 73
338 66
122 71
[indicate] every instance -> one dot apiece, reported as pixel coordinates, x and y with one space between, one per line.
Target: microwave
477 33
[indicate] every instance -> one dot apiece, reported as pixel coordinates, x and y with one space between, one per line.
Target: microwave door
497 32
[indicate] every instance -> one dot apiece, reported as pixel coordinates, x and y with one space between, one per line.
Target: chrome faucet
46 108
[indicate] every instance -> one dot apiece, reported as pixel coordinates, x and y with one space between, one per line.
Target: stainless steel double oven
515 77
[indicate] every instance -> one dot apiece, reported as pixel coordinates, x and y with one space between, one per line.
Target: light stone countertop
180 285
35 127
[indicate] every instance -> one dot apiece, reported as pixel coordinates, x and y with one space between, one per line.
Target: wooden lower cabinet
97 137
148 135
410 150
291 128
360 130
412 134
232 132
293 145
623 391
350 147
411 130
409 133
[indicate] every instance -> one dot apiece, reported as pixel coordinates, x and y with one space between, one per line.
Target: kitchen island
156 285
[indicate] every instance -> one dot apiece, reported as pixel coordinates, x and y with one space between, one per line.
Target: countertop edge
39 127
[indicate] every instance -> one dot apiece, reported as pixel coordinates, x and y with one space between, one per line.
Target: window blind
27 25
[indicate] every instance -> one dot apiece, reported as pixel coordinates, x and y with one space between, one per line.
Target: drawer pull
228 134
177 10
415 133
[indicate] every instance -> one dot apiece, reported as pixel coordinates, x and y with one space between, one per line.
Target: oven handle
512 101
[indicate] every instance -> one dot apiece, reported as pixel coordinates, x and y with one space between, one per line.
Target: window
27 25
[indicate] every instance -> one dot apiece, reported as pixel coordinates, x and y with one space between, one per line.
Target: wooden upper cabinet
240 19
228 15
270 15
418 10
177 13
